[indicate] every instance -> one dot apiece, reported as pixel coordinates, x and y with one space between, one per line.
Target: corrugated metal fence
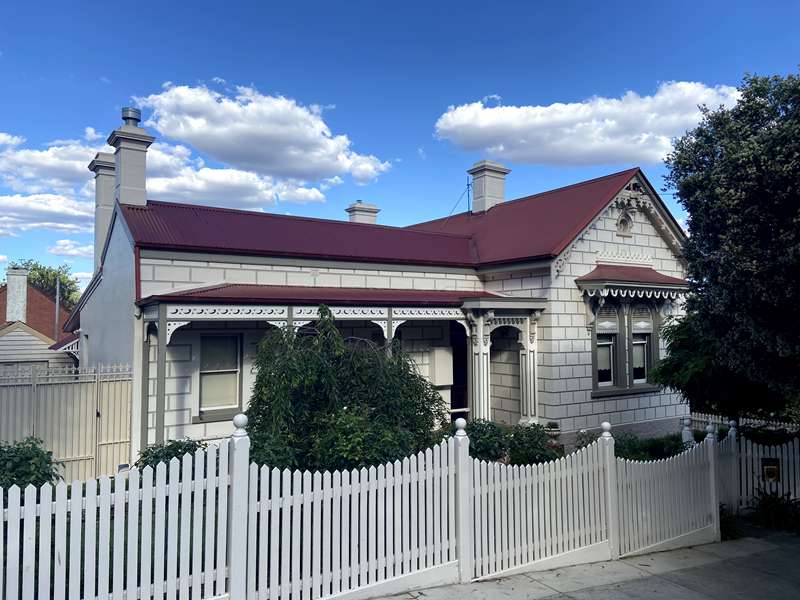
82 415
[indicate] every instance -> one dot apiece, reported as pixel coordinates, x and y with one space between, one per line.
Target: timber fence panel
670 502
81 415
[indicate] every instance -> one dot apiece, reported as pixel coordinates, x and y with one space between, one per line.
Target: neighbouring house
30 334
544 308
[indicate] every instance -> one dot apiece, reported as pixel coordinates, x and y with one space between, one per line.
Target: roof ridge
531 196
245 211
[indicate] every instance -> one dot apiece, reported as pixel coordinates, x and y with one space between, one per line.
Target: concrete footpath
767 567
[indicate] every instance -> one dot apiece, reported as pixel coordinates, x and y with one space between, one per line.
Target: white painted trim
445 574
598 552
706 535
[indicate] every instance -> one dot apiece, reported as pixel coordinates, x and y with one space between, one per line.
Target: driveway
748 568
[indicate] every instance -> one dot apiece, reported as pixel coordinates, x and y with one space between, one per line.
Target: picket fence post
687 436
238 472
711 442
612 492
735 475
464 495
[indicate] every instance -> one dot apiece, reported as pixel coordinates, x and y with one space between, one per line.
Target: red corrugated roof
167 225
538 226
627 274
250 294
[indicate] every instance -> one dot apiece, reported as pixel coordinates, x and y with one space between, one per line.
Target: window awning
630 281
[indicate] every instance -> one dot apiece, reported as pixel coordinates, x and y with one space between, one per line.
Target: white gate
668 503
81 415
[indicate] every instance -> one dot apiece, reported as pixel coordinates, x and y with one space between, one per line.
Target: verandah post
463 498
711 443
238 472
612 492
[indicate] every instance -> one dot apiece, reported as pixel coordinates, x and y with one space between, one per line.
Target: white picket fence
215 526
81 415
669 503
742 469
138 535
531 514
700 420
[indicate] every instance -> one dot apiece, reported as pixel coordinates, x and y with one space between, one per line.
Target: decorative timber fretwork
427 313
224 312
343 312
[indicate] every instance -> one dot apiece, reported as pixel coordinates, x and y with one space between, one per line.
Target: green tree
738 177
322 402
43 277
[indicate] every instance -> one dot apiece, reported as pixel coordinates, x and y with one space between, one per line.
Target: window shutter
642 320
607 320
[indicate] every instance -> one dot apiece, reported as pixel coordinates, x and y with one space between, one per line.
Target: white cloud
72 248
599 130
45 211
91 135
59 167
6 139
3 258
421 153
273 136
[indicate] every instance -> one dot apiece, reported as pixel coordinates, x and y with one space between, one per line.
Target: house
544 308
29 332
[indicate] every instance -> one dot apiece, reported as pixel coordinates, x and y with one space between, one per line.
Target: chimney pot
131 116
488 185
361 212
16 295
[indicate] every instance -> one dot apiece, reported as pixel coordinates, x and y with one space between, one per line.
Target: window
607 330
605 359
641 343
219 371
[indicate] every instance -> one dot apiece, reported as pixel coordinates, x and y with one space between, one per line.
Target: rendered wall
107 318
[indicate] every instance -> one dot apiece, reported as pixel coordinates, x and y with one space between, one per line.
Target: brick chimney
361 212
16 295
130 156
488 185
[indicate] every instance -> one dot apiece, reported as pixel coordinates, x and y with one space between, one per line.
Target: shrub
662 447
166 451
27 462
777 511
487 440
530 443
323 402
585 438
627 445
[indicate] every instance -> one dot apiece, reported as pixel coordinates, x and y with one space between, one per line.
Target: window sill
639 388
215 416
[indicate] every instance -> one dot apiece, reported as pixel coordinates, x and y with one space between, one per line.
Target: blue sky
302 108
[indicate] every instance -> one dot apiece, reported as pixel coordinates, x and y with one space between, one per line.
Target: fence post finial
461 426
710 431
606 427
687 437
732 430
239 424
